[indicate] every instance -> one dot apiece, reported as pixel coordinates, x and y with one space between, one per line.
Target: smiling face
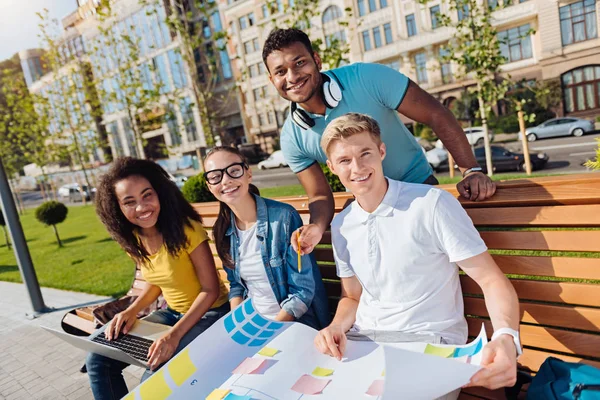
229 190
138 201
356 160
294 72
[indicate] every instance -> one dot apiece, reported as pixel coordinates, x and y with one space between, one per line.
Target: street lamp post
20 245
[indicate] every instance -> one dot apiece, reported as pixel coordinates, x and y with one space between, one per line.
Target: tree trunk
6 237
57 237
486 136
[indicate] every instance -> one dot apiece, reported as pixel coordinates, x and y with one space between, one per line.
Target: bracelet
472 169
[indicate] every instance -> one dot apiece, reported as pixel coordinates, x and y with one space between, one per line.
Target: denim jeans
106 374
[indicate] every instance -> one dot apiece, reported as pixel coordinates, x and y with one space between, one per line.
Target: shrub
195 190
332 179
51 213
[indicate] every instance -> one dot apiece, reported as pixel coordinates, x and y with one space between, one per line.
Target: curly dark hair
281 38
175 211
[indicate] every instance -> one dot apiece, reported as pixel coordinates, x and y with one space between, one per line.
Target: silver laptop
131 348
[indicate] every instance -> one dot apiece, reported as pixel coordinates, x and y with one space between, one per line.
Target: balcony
517 12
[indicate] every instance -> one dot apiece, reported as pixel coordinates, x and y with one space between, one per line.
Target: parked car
437 158
474 137
559 127
275 160
72 192
505 160
253 153
178 179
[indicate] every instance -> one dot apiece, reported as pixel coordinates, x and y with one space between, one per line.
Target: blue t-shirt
372 89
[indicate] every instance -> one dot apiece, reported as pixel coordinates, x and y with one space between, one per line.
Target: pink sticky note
376 388
249 366
308 384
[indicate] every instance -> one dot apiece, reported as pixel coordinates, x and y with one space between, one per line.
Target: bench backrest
544 233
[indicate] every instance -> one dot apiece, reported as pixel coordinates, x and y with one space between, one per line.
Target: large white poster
245 356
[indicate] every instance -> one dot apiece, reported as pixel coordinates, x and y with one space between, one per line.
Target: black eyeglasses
235 171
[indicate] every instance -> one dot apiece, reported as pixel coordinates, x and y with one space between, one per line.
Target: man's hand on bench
476 186
499 362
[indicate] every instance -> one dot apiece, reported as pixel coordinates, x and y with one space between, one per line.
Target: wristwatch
515 336
472 169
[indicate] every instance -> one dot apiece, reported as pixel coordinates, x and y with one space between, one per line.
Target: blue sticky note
248 307
240 337
260 321
239 315
257 342
470 351
229 324
250 328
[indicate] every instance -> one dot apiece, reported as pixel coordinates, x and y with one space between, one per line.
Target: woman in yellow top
147 215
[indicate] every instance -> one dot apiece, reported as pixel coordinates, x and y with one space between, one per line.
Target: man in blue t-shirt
373 89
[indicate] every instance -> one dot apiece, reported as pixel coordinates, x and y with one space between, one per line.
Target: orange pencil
299 257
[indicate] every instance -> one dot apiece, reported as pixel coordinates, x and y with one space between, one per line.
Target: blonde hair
348 125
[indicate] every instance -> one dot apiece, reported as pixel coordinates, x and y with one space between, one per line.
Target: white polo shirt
404 256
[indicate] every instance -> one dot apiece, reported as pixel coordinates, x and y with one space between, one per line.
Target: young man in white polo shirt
396 250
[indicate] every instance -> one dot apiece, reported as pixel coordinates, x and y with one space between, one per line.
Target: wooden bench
544 233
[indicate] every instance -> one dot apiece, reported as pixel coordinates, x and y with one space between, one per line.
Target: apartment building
406 36
161 65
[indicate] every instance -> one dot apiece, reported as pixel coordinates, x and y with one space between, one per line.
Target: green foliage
51 213
195 190
332 179
595 164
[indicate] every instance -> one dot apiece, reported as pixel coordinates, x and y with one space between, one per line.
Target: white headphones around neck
332 95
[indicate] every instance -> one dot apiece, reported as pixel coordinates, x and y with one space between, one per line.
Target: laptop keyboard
135 346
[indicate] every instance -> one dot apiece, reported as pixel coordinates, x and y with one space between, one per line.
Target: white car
276 160
73 192
437 158
474 136
65 190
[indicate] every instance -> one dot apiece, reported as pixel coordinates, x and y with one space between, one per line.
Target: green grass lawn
90 260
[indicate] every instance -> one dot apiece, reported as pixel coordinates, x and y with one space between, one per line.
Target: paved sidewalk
34 364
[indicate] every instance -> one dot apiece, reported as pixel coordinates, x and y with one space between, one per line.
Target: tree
69 116
475 49
51 213
3 224
124 81
203 41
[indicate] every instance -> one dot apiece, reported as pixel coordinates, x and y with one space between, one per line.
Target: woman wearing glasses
252 236
148 217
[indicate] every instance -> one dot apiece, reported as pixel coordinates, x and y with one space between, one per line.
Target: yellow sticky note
155 388
217 394
268 352
181 367
445 352
383 373
322 371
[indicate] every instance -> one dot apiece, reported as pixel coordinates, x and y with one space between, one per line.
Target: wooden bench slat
85 313
79 323
543 240
576 343
578 215
583 294
582 318
483 393
564 267
532 359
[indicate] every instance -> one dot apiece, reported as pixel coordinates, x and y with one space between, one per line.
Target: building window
411 26
581 88
253 70
366 40
130 136
377 37
515 43
331 13
463 12
372 6
339 36
578 22
188 120
492 4
265 11
259 93
383 3
387 30
421 64
113 131
434 12
160 69
445 66
243 22
361 8
177 69
261 68
251 19
248 48
225 64
271 117
261 120
172 126
256 44
395 65
279 6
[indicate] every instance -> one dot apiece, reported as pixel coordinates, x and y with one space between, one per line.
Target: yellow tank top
176 276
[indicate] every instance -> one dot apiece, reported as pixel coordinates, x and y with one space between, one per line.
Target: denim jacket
301 294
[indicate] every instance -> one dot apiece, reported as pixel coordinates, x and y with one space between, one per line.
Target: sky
19 24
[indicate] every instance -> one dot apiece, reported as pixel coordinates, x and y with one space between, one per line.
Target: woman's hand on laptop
122 322
162 350
331 341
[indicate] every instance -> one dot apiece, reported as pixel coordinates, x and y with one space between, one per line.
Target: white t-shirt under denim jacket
404 256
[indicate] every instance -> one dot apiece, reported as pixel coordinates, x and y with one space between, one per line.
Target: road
567 155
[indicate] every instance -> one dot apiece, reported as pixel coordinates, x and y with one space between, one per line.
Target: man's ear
317 59
382 151
330 165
